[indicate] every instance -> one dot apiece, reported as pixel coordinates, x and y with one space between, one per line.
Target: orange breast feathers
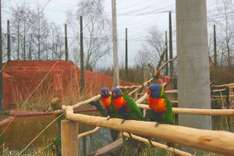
157 105
119 102
106 101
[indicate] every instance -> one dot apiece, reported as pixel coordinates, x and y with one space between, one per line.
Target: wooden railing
214 141
211 140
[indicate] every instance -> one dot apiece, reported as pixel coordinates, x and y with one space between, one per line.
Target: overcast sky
137 15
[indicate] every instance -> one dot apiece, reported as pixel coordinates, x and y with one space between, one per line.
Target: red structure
26 81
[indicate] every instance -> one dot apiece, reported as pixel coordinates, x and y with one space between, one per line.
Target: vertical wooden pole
126 52
1 66
24 47
115 44
30 48
39 36
170 44
8 41
82 80
215 46
166 49
18 41
70 143
66 43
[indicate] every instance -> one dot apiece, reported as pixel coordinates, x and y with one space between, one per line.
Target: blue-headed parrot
125 106
105 107
160 107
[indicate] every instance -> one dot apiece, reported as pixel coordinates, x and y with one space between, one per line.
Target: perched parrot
103 105
105 108
125 107
160 107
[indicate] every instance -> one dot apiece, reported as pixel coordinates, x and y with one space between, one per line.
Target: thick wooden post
70 143
115 44
1 60
193 64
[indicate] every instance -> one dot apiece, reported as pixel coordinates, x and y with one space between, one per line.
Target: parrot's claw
156 124
150 142
123 121
108 118
169 144
130 135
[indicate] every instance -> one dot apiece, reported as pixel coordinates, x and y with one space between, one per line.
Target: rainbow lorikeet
105 108
160 107
103 105
125 107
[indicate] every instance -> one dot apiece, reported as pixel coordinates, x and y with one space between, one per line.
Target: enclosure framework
214 141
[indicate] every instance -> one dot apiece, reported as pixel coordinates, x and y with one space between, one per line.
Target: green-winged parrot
105 107
125 106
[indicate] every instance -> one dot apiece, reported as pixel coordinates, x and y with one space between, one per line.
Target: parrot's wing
99 107
135 111
149 115
169 116
111 111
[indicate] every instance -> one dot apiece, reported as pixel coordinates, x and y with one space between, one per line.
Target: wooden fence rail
214 141
196 111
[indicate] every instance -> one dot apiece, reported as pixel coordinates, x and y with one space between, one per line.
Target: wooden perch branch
215 141
86 101
196 111
7 121
142 98
209 112
95 130
158 145
114 146
129 87
139 88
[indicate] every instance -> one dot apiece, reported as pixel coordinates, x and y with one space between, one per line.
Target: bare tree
32 35
96 31
225 21
152 49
